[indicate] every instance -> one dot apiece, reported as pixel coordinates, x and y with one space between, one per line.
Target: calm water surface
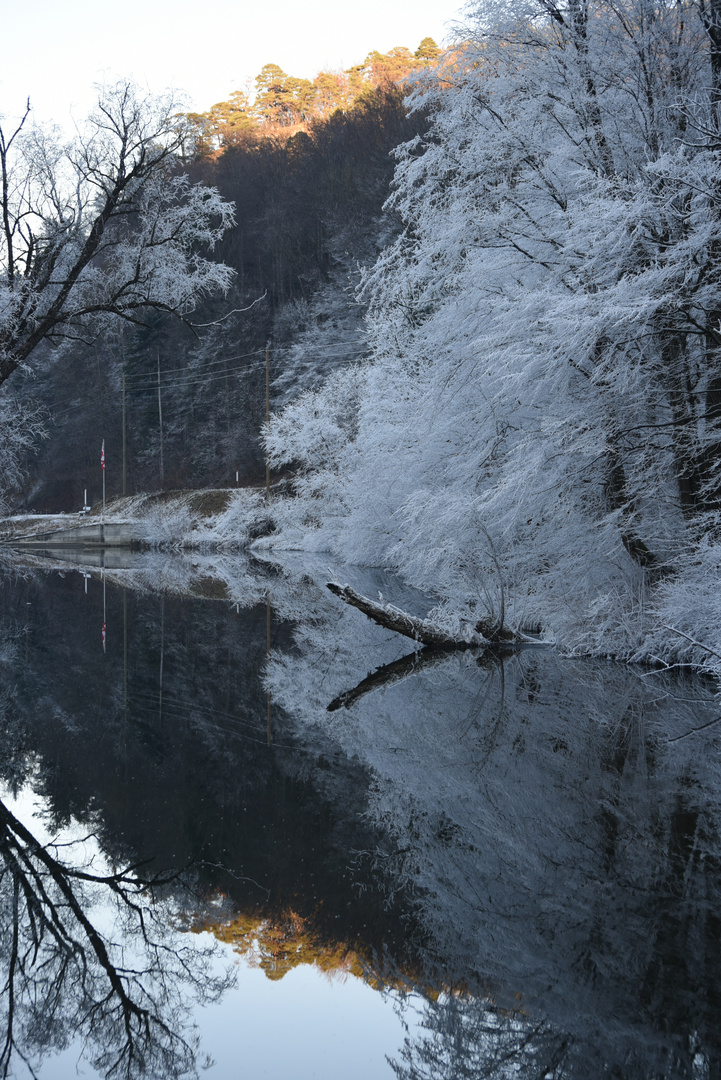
335 860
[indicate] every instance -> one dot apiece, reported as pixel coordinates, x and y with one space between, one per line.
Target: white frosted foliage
539 422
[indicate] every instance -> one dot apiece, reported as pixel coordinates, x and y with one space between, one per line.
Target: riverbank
667 624
218 518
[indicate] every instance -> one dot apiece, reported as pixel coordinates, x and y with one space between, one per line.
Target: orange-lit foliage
277 945
284 104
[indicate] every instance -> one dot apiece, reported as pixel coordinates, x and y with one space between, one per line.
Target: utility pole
162 655
123 425
267 653
267 420
125 651
160 417
103 631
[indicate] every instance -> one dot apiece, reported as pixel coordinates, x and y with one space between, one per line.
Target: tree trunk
421 630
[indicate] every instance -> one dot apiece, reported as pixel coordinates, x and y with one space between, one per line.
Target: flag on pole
102 456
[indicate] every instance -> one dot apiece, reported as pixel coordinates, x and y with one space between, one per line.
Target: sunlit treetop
284 104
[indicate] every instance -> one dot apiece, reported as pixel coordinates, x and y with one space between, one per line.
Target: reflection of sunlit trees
279 943
67 978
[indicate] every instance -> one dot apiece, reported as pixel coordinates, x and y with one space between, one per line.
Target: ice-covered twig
693 641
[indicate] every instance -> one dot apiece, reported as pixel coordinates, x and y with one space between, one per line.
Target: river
244 829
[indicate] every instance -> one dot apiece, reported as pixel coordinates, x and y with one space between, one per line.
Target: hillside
309 213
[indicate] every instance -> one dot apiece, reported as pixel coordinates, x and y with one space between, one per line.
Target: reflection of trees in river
91 954
558 843
469 1037
559 824
464 1037
185 773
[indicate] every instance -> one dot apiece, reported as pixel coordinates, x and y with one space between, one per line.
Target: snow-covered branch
103 228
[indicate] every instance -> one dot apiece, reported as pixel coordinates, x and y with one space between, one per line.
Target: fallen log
424 631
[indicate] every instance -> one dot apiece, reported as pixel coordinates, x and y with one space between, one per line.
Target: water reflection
159 747
532 842
557 824
467 1037
119 982
561 829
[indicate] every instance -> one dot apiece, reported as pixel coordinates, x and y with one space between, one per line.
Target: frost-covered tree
104 226
101 228
543 417
20 430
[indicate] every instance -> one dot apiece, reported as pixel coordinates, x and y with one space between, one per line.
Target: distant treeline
284 103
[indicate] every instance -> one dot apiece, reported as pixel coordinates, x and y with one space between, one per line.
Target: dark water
516 858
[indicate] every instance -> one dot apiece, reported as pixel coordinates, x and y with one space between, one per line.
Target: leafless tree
104 226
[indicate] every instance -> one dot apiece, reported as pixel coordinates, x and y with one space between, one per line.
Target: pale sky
60 48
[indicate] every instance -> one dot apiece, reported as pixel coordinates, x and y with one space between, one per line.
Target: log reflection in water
412 664
66 978
391 673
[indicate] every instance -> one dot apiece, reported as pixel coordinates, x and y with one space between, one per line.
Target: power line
206 363
194 378
314 351
189 382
